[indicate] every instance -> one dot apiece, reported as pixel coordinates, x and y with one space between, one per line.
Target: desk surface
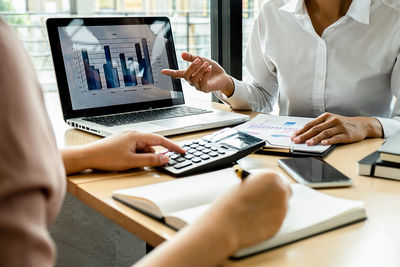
374 242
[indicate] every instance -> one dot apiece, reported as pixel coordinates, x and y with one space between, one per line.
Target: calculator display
236 141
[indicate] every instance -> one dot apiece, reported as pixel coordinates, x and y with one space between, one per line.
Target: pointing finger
176 74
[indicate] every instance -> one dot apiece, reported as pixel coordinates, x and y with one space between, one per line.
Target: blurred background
190 23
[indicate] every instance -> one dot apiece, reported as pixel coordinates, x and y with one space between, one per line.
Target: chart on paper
276 130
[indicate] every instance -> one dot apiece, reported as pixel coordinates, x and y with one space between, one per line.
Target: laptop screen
114 62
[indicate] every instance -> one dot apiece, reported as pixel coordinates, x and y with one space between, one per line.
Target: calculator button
206 151
207 145
196 160
194 145
198 154
204 157
180 159
195 142
169 153
214 149
213 154
220 151
200 148
189 156
171 163
183 164
174 156
191 151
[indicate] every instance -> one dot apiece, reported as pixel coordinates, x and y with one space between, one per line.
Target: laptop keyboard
148 115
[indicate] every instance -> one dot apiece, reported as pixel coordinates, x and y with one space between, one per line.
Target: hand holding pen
241 173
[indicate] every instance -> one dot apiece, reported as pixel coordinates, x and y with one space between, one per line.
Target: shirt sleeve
32 178
391 126
259 92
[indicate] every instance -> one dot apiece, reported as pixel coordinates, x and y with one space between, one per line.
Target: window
190 23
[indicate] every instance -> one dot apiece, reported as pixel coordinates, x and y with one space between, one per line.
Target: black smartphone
314 172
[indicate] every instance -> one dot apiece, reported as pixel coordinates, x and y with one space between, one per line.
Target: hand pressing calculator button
215 150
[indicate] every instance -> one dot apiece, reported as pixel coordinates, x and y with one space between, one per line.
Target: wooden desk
374 242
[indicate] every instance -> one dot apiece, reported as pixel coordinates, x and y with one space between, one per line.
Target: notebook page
185 193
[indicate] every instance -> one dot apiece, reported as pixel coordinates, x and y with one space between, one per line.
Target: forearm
248 96
202 244
373 127
76 159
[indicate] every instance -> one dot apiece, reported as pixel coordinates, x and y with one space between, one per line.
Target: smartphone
314 173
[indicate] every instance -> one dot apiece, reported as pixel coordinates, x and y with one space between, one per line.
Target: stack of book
385 162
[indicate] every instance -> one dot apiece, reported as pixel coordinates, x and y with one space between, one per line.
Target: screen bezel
52 27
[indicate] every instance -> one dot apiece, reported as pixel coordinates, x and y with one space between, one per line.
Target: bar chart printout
92 74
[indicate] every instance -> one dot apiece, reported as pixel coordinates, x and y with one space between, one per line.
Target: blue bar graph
92 74
111 73
121 65
128 70
144 63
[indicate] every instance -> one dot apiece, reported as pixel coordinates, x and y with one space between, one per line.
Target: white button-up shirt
353 69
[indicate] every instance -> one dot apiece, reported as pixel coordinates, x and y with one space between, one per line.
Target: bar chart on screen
115 63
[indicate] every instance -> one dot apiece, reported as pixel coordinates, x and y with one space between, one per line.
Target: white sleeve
259 92
392 126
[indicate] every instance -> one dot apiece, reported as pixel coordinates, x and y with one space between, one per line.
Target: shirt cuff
390 127
239 98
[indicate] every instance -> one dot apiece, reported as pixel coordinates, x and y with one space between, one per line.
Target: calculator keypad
216 150
198 152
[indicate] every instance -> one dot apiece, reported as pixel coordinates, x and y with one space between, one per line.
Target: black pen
242 174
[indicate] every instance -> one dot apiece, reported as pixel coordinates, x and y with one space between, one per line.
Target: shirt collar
295 6
359 10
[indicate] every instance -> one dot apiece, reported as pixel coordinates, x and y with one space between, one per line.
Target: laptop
109 77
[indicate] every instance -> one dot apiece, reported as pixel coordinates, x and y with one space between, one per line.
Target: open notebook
277 131
183 201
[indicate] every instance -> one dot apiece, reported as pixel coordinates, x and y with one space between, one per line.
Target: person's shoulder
4 28
393 4
273 5
270 7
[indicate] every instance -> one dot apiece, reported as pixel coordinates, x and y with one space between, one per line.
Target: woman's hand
122 151
330 129
250 213
204 74
253 211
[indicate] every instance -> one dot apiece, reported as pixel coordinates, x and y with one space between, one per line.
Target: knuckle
326 133
316 129
327 114
336 120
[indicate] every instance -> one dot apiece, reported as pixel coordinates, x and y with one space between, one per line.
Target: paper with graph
277 131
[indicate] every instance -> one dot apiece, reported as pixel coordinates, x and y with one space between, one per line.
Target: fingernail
296 140
164 159
197 61
209 68
324 142
310 142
